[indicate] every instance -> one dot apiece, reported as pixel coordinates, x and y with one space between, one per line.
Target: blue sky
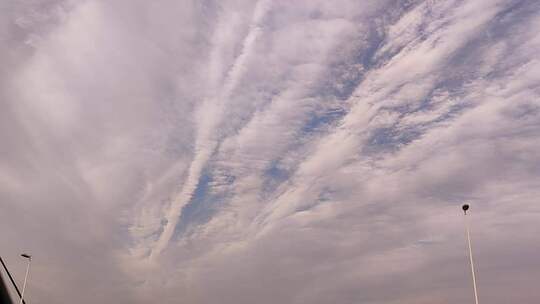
270 151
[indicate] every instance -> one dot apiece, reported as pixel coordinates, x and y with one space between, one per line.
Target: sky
270 151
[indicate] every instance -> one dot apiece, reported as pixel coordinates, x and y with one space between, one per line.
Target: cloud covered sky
270 151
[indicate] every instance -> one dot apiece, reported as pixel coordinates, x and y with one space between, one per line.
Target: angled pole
11 279
465 207
4 293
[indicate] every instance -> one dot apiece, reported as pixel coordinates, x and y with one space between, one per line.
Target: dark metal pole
11 279
4 293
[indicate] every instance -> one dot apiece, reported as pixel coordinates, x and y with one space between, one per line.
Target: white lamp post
29 258
465 207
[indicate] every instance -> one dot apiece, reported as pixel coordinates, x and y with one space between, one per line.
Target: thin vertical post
25 276
468 229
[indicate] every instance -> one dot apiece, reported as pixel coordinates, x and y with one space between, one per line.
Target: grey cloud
270 151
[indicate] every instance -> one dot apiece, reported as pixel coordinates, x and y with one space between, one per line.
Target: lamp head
465 207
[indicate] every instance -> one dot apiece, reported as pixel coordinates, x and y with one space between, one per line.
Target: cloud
270 151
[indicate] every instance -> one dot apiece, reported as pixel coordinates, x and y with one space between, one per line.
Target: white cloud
270 151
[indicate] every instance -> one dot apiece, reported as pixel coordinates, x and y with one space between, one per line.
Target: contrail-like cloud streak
210 116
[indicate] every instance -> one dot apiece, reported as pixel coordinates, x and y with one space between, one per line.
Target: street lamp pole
29 258
465 207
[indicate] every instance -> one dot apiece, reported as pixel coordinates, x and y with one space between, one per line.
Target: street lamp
29 258
465 207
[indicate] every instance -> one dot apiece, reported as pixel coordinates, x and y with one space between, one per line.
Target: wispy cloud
270 151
